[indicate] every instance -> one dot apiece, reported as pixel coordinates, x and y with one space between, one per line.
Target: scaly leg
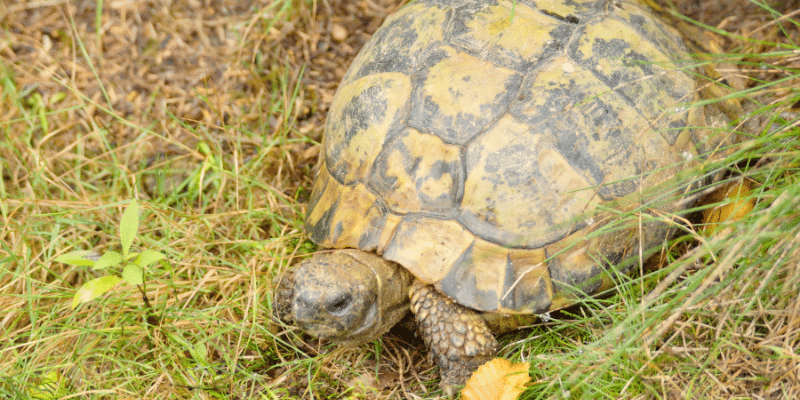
456 336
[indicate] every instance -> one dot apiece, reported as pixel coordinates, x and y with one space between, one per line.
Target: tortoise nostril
340 304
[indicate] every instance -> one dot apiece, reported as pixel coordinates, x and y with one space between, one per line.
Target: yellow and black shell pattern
481 144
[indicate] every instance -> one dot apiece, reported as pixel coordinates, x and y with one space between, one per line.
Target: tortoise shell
482 144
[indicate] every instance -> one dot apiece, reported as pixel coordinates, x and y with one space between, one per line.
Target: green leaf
204 149
109 259
129 225
199 353
52 386
57 97
94 289
149 257
132 274
76 258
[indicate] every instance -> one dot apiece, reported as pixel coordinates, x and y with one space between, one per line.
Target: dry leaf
741 204
498 379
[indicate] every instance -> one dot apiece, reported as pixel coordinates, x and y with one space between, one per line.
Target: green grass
222 167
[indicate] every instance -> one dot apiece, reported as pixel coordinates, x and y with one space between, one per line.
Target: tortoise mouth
333 328
364 331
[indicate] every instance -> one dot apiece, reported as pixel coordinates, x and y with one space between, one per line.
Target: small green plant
133 264
50 386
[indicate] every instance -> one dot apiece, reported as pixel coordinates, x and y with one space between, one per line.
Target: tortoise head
348 296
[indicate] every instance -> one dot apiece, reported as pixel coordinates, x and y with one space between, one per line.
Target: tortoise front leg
456 336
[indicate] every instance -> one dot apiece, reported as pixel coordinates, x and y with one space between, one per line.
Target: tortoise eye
340 304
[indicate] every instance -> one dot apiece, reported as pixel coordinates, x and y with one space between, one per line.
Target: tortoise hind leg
456 336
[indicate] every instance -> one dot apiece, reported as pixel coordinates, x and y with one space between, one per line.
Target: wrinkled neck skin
349 296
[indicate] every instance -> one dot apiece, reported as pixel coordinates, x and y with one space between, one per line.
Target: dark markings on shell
459 121
368 241
461 280
367 108
400 31
569 140
569 19
423 178
527 288
575 280
321 231
363 110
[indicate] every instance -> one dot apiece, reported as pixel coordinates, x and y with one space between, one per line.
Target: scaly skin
456 336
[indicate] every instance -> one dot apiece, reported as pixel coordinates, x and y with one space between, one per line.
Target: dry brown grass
235 93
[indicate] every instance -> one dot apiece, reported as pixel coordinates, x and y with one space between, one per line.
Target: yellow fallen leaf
738 193
498 379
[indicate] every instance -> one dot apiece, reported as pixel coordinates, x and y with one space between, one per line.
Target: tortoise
478 157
